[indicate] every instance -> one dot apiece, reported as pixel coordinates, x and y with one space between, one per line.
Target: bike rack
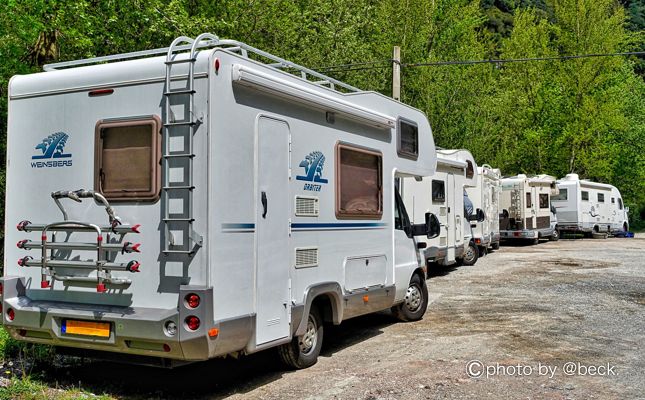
49 263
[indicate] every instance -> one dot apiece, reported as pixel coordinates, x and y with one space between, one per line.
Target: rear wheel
471 254
303 351
495 246
415 303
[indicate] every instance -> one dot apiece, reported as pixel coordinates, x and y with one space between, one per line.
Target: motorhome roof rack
231 45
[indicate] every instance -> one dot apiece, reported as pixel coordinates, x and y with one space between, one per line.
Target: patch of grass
31 389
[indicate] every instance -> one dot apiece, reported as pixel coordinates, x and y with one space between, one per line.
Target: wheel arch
327 297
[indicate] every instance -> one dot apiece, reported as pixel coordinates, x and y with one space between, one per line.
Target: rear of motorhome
485 196
527 200
443 195
204 200
589 207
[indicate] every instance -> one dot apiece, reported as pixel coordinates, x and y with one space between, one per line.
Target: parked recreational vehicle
589 207
226 205
527 200
485 196
443 195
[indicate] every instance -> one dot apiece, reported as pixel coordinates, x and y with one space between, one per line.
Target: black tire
495 246
470 255
415 303
536 241
556 236
482 251
302 351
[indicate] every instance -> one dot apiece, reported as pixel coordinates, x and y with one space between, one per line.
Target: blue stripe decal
337 225
238 228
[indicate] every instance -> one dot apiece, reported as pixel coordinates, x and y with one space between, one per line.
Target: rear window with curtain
544 200
408 143
438 191
127 159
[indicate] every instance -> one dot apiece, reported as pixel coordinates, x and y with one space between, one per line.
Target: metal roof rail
231 45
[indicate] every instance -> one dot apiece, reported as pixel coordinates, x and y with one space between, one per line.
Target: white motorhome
527 200
589 207
246 205
485 196
442 195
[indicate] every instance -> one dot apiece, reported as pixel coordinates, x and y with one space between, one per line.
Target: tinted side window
544 200
438 191
563 195
408 144
601 197
620 203
529 203
584 195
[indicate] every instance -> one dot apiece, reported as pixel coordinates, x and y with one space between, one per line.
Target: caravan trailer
443 195
485 196
204 200
589 207
527 200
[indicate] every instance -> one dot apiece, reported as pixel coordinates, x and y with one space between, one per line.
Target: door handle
264 204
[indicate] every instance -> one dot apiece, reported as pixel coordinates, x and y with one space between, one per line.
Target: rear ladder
179 221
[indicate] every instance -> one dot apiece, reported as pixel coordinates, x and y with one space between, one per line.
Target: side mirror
430 229
504 214
478 216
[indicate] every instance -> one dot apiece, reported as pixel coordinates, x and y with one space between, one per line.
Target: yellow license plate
86 328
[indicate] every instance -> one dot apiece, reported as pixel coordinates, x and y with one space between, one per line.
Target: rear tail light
11 314
192 323
192 300
166 348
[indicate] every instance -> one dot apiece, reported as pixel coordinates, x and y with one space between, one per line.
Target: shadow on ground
211 379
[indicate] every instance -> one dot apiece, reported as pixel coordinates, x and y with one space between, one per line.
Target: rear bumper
133 330
523 234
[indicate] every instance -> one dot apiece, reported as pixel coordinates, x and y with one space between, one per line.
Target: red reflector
192 322
192 300
100 92
166 348
216 65
11 314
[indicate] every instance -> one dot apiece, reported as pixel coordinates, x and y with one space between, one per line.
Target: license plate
86 328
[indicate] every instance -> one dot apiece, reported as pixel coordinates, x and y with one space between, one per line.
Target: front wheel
471 255
496 246
415 303
302 351
556 236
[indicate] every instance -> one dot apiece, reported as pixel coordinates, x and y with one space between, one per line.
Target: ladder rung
178 187
178 92
179 219
185 155
183 123
180 61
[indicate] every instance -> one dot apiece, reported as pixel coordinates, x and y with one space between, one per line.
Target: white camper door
272 231
453 222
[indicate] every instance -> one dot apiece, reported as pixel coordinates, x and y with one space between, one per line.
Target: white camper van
527 200
201 200
589 207
485 196
443 195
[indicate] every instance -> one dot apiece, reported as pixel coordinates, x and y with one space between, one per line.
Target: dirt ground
560 320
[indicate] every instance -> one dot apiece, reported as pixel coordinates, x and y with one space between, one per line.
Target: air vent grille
307 257
307 206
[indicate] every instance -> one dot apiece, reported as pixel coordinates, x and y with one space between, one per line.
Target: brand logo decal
52 149
313 165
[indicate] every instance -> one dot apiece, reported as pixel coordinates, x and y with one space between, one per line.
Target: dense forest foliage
584 115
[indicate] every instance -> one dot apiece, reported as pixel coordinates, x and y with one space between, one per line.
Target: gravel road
560 320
